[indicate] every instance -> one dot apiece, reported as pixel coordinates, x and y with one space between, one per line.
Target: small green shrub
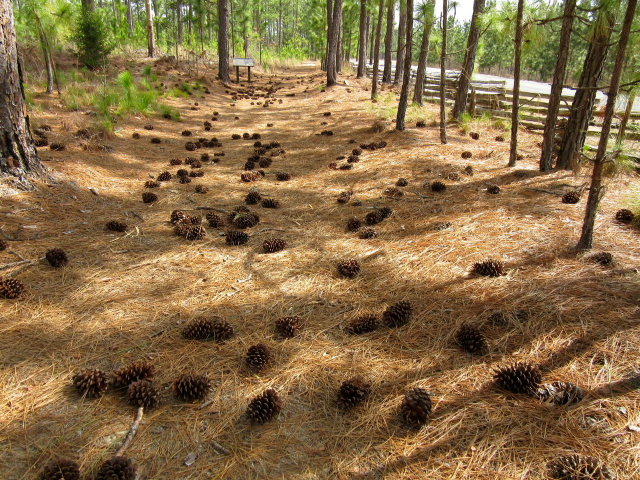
92 39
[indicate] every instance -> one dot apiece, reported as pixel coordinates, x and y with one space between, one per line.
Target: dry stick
15 264
132 432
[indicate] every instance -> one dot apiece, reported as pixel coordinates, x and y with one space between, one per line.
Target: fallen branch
132 432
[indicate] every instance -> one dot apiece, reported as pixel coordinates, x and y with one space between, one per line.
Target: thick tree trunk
329 32
388 37
334 45
179 19
515 109
376 52
443 76
631 97
582 106
596 190
406 74
18 156
424 51
548 137
402 33
460 105
88 5
223 40
339 44
151 43
362 41
371 35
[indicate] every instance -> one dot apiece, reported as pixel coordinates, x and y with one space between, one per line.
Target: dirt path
126 297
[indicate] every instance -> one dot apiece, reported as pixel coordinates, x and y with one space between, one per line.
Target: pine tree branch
132 432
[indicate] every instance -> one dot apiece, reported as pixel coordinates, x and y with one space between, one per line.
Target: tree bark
88 5
443 76
429 8
515 109
460 104
362 41
406 74
223 40
376 52
402 33
129 17
371 35
179 20
18 155
386 72
332 54
631 97
548 137
151 44
329 31
596 189
583 101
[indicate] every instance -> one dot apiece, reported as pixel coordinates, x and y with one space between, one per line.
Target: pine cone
236 237
91 383
155 140
344 197
499 138
183 172
518 378
214 220
273 245
257 357
471 339
575 467
164 177
149 197
466 155
441 226
352 392
402 182
416 407
560 393
603 258
348 268
493 189
288 326
196 174
198 329
189 388
283 176
252 198
175 161
375 217
453 176
474 135
398 314
116 226
11 288
438 186
624 216
132 373
151 184
264 407
190 146
181 229
118 468
265 162
571 197
362 324
61 469
270 203
244 219
56 257
393 192
195 232
202 189
221 330
367 233
3 245
386 212
185 179
353 224
489 268
143 394
468 171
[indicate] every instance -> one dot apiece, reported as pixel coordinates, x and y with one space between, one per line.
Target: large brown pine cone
125 376
398 314
11 288
264 407
352 392
192 387
576 467
471 339
348 268
560 393
143 394
91 383
416 407
518 378
258 356
117 468
288 326
56 257
61 469
362 324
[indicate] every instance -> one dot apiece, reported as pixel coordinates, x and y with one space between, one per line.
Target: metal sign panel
243 62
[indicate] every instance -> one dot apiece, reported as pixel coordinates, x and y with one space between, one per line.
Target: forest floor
125 297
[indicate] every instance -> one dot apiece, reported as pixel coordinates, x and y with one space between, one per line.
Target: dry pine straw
125 297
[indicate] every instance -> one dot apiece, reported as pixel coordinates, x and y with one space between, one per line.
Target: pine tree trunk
548 137
584 99
424 52
18 156
334 45
179 19
406 74
460 104
596 189
443 76
129 17
376 52
388 38
631 97
329 32
362 41
223 40
515 109
151 46
402 33
371 35
88 5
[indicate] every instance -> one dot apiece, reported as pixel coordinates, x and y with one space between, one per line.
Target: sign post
243 62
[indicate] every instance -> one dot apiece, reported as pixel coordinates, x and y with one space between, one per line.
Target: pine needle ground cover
126 297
